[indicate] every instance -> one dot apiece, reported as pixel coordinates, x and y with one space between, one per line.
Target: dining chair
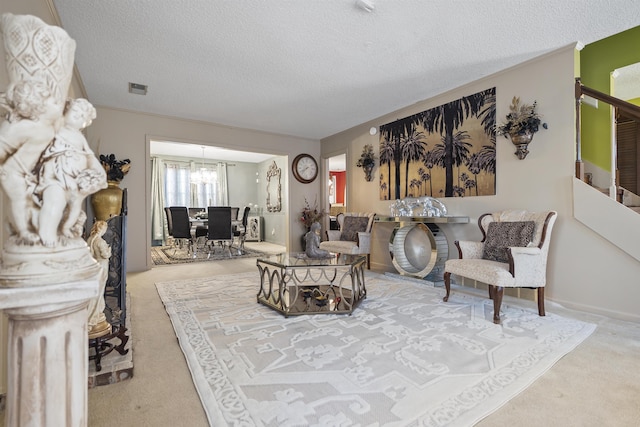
181 228
234 213
240 231
219 228
167 212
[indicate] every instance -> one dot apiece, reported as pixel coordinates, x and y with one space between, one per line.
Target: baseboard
627 317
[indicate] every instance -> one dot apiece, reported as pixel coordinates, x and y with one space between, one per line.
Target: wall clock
305 168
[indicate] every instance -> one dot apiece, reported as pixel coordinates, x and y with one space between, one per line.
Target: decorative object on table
418 207
108 202
523 121
367 161
312 240
305 168
274 186
308 216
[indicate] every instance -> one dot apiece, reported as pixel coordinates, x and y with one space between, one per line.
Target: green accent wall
597 62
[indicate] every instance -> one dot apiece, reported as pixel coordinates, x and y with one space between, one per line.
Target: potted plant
309 214
367 161
523 121
107 203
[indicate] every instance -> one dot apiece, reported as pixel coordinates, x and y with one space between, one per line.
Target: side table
418 247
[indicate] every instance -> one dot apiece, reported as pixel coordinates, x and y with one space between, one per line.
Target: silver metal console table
418 247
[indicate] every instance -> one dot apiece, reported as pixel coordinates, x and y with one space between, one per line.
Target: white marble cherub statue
31 123
101 251
68 172
312 239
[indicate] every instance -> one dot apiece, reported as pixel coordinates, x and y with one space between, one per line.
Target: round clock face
305 168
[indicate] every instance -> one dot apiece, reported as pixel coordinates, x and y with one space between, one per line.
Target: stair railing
630 110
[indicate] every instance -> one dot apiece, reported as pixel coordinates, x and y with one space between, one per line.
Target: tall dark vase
107 202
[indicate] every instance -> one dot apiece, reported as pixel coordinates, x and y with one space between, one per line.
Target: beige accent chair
354 236
510 255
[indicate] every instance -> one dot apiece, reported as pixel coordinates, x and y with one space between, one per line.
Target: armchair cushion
352 225
502 235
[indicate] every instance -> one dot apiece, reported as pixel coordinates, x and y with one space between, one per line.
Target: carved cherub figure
30 125
68 171
101 252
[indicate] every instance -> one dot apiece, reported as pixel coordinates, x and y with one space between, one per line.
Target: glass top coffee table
293 284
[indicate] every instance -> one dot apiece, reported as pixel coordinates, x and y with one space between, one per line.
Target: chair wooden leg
497 302
447 285
491 291
368 261
541 301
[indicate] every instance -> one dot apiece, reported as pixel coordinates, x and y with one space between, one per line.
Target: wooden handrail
630 110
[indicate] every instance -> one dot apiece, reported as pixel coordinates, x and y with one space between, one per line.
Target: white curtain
222 193
159 230
177 191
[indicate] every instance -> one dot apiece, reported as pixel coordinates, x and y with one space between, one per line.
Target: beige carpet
403 358
597 384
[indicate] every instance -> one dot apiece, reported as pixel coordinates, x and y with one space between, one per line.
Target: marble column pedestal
47 347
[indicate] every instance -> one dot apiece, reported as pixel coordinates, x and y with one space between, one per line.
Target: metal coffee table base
293 285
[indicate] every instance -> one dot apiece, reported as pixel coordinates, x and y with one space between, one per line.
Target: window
178 190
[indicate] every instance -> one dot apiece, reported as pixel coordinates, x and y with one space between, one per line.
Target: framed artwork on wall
446 151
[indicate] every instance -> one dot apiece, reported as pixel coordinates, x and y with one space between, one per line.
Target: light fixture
202 176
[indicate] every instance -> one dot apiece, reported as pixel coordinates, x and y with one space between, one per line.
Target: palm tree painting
451 146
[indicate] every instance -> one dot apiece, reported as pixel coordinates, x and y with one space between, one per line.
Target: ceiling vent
137 88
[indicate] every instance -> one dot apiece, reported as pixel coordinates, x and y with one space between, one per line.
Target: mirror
274 186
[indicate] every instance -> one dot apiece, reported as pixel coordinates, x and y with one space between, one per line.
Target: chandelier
202 176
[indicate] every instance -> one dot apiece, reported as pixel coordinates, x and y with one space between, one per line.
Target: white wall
127 135
585 270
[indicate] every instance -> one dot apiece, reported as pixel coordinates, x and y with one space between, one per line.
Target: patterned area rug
161 255
402 358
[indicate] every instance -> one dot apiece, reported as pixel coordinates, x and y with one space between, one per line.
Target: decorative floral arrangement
311 214
522 119
116 169
367 158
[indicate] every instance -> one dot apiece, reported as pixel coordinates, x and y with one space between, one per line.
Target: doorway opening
240 170
337 188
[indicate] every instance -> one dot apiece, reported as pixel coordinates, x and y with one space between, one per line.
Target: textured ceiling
313 68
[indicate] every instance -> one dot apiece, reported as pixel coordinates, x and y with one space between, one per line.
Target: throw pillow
351 226
501 235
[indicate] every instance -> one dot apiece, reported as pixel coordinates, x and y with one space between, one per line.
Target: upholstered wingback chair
354 236
513 253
